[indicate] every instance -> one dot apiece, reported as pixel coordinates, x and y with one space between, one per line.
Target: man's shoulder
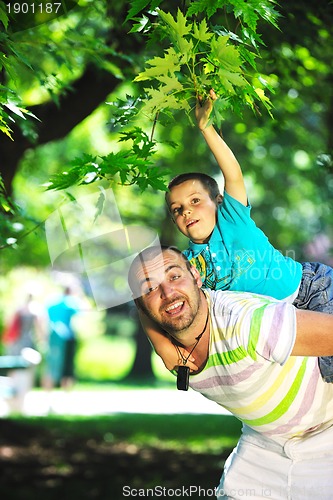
234 300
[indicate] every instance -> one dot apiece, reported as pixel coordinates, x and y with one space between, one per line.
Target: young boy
228 249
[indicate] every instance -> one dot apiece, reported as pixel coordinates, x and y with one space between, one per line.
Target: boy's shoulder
229 200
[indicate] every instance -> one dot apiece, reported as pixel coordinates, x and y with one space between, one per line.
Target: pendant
183 376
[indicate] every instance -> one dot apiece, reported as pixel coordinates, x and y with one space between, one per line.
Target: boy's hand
204 109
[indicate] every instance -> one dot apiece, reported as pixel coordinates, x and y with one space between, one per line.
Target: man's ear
219 198
196 275
137 302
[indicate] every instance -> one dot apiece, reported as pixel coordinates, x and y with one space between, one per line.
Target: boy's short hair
208 182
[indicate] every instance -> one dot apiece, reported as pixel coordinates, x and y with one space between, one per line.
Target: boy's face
193 211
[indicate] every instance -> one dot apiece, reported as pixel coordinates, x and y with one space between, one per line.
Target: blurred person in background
62 343
23 339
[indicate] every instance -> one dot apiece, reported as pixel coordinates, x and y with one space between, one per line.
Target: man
257 358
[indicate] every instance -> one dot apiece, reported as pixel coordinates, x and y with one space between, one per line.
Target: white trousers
301 469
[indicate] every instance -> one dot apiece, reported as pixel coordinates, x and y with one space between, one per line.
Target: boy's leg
316 294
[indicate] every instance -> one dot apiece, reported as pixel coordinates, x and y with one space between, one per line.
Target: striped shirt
250 372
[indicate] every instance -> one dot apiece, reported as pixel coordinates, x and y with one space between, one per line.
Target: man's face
170 292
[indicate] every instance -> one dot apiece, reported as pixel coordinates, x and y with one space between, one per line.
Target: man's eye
195 200
176 211
150 289
175 277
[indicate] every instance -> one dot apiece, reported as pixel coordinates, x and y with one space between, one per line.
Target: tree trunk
142 366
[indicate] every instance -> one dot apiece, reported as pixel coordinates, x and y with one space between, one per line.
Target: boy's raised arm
230 168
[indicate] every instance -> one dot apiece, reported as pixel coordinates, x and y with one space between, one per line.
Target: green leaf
226 55
248 56
178 29
219 108
15 109
142 182
247 11
3 17
83 160
209 7
160 66
201 32
179 26
159 100
65 180
141 25
171 84
114 162
123 176
264 99
230 80
139 5
136 7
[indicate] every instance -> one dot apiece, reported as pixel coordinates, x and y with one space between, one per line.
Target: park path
106 402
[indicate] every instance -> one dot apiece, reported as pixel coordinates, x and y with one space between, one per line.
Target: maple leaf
207 6
139 5
170 83
178 29
159 100
179 26
170 63
264 99
230 80
226 55
200 32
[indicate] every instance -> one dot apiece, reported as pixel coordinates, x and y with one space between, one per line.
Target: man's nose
167 289
186 211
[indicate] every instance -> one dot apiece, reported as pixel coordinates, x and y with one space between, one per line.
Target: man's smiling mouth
175 308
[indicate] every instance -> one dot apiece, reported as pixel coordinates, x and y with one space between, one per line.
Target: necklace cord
184 360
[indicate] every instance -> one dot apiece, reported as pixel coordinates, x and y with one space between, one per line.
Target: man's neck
188 336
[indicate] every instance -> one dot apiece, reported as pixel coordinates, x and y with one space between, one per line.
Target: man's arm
314 334
230 168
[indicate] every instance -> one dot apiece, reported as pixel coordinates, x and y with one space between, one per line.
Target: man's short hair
208 182
146 255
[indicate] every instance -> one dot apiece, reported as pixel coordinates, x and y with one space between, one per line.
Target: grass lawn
98 457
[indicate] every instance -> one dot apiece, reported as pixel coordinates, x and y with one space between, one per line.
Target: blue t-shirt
239 256
60 315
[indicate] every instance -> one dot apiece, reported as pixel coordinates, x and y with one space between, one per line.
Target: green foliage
105 358
297 196
46 57
126 167
9 226
10 102
202 56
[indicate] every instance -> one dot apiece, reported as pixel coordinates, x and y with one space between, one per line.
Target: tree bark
142 366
